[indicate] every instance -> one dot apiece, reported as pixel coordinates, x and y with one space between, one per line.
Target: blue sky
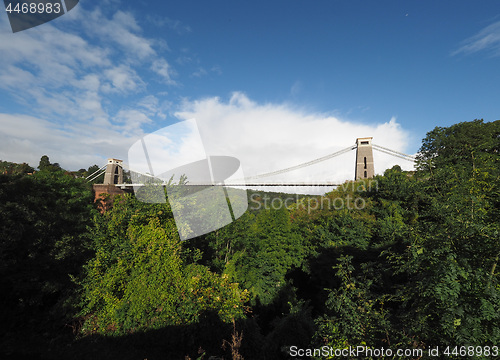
284 81
363 60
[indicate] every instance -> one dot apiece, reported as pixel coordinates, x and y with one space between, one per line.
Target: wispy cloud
25 138
76 84
216 70
199 73
296 88
123 78
121 29
488 39
176 25
162 68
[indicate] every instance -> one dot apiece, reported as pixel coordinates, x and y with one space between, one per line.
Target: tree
15 169
270 249
138 279
355 316
43 243
454 293
45 165
92 170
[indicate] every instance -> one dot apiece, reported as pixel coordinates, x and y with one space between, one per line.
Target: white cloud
151 106
150 103
121 29
71 80
200 72
488 39
168 148
110 47
25 138
162 68
132 120
123 79
271 137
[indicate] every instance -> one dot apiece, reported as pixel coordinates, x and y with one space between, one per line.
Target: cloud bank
269 137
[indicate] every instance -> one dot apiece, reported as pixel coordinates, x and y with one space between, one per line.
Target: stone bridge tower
112 177
114 172
364 159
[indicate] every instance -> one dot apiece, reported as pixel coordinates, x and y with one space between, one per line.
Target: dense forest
413 265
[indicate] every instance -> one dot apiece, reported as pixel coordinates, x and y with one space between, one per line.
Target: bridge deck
324 183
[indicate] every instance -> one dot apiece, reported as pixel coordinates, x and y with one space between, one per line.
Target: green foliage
10 168
452 256
415 266
43 242
270 249
355 317
461 146
91 170
138 279
343 229
46 165
438 235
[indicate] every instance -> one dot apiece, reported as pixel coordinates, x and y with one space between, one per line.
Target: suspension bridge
364 169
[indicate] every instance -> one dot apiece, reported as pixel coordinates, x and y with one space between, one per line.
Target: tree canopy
414 266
